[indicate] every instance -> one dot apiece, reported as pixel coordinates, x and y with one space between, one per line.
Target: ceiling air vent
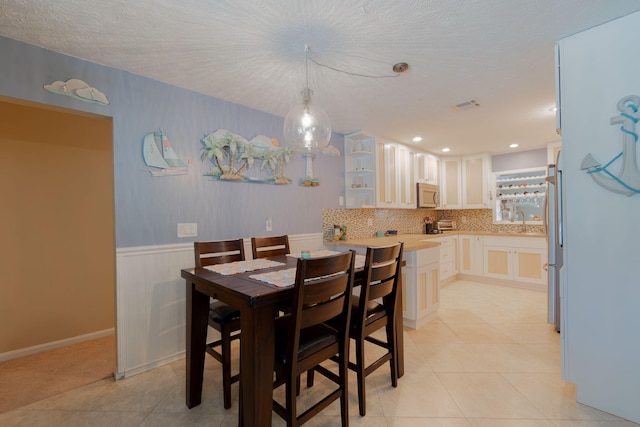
467 105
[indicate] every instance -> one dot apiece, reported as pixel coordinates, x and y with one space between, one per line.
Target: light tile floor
488 360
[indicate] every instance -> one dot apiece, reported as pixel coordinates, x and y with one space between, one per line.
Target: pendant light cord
306 65
307 49
348 72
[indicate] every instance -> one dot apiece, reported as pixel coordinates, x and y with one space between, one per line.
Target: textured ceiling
251 52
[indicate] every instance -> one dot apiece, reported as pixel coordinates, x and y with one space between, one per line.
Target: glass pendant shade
307 128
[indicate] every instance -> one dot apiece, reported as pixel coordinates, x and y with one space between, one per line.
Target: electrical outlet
341 201
463 219
269 225
369 222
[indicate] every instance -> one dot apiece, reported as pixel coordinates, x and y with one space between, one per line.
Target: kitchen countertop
414 242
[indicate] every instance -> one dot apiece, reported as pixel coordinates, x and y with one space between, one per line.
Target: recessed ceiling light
513 146
446 150
417 138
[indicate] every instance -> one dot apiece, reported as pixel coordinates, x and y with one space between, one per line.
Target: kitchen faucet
524 224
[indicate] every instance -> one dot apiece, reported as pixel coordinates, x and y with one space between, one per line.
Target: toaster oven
446 225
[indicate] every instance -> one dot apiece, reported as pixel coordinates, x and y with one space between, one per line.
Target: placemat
279 278
315 254
326 252
242 266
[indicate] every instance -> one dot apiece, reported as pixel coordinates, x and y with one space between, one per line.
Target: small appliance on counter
445 225
430 229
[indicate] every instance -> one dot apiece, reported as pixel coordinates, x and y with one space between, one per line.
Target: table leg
256 370
196 336
399 330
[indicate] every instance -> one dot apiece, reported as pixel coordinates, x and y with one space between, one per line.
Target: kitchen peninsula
420 274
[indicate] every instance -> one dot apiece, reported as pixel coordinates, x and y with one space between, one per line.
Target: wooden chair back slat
264 247
218 252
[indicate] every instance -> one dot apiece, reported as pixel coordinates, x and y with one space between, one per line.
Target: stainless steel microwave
428 195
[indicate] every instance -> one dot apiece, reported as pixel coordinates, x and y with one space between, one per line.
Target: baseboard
149 366
502 282
418 323
55 344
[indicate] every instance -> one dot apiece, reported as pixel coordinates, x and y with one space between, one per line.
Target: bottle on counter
336 232
343 232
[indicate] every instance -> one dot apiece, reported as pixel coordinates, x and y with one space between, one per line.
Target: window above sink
519 193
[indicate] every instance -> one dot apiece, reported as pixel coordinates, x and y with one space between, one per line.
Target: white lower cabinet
448 256
470 255
420 287
516 259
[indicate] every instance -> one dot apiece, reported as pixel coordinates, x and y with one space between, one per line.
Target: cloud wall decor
78 89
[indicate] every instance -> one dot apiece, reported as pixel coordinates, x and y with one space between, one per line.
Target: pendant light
307 128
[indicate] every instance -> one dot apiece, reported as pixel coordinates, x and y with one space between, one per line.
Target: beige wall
57 231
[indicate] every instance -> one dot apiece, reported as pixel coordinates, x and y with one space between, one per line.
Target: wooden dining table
258 303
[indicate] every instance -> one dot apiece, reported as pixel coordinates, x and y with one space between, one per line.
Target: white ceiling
251 52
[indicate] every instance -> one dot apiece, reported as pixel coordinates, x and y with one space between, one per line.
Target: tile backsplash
363 223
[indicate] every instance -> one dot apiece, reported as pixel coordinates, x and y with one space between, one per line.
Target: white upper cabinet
383 174
451 188
387 175
465 182
406 167
396 176
427 168
475 182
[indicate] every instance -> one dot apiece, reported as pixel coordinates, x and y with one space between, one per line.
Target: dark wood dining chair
263 247
222 317
321 294
381 281
372 310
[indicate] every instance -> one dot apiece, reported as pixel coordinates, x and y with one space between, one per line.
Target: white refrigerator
599 86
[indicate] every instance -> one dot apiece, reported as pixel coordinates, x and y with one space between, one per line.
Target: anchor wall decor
628 179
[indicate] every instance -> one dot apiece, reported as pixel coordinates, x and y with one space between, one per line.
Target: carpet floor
38 376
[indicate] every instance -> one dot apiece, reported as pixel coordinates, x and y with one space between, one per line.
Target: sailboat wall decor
160 156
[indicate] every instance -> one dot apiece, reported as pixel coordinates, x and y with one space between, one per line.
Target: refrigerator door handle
545 216
551 180
559 214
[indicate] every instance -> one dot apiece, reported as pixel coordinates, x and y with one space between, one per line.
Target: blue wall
519 160
148 208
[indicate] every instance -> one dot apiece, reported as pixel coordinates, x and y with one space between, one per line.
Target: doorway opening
57 227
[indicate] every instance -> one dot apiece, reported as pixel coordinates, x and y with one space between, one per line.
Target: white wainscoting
150 302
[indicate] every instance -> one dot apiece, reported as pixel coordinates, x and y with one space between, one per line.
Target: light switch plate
188 229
